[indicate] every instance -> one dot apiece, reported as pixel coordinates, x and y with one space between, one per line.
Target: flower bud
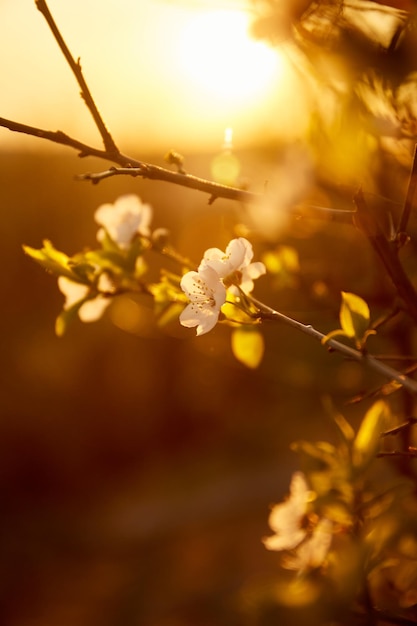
160 238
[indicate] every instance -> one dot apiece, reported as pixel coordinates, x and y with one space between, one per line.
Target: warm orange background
137 469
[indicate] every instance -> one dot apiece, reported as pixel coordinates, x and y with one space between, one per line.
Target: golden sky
165 74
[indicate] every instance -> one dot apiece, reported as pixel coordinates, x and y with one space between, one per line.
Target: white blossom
124 219
312 552
92 309
207 294
308 539
234 265
286 519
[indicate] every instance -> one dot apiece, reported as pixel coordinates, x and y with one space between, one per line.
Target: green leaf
354 315
366 442
248 346
52 260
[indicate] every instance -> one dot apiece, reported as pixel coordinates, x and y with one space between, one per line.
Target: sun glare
223 61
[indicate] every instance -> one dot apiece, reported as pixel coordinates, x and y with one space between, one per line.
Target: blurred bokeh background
138 466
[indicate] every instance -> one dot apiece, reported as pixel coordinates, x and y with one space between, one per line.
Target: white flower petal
73 292
105 283
285 542
124 219
204 287
237 259
205 319
207 294
217 260
225 263
286 519
240 252
254 270
320 542
92 310
313 552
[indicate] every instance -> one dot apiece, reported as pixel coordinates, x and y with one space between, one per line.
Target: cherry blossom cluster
122 221
218 273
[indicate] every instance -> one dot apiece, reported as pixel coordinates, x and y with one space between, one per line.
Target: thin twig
267 313
155 172
75 66
408 204
63 139
398 453
386 389
387 616
397 429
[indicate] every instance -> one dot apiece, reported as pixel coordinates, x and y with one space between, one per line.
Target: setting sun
221 59
164 74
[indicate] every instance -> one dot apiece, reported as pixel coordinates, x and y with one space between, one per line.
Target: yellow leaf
51 260
354 315
334 333
248 346
366 443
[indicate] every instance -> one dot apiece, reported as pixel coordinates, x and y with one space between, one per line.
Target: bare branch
75 66
58 137
368 222
155 172
133 167
267 313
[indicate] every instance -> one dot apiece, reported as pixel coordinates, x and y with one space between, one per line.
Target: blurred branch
368 221
408 204
398 453
75 66
392 618
267 313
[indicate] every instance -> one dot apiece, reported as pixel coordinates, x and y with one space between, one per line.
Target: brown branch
397 429
267 313
155 172
408 204
368 222
398 453
134 167
61 138
75 66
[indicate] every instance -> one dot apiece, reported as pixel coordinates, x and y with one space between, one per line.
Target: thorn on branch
397 429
